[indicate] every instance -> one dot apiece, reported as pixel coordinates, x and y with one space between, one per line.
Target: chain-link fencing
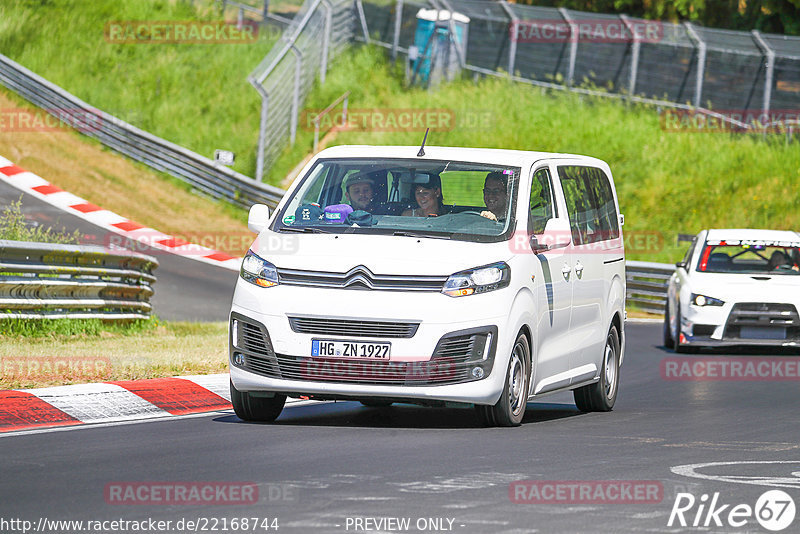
746 80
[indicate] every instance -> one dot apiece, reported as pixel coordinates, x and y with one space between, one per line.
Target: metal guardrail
44 280
202 173
647 284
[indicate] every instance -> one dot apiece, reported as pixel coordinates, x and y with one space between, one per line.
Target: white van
436 276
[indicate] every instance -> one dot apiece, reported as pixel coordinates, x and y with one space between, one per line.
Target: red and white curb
42 189
111 402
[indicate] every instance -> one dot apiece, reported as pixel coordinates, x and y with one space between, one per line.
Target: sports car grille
360 278
352 327
759 319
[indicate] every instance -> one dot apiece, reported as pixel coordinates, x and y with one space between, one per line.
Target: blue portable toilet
439 42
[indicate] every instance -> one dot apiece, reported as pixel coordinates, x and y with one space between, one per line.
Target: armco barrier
647 284
44 280
202 173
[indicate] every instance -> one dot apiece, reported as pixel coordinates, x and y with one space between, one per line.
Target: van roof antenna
422 148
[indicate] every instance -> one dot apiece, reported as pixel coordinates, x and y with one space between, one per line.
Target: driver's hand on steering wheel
489 215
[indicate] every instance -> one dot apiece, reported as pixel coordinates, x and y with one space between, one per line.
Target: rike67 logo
774 510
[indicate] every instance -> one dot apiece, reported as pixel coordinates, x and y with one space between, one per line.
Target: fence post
298 68
770 53
363 18
514 36
573 50
701 63
262 132
637 45
398 22
326 39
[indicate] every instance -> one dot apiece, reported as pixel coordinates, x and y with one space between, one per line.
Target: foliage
14 228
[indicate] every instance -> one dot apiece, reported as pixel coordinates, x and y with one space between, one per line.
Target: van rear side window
590 204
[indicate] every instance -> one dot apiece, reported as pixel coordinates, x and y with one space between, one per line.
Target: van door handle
579 269
565 270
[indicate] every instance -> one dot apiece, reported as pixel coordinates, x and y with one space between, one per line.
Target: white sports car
735 287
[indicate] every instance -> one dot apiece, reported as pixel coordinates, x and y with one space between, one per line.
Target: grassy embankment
195 95
668 183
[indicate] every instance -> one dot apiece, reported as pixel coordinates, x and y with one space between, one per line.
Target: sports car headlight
702 300
258 271
478 280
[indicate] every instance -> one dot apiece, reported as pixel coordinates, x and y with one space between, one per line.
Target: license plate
357 350
762 332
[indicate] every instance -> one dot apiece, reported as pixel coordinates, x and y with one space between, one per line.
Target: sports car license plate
327 348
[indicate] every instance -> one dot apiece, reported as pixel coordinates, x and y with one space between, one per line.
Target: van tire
510 409
260 409
601 396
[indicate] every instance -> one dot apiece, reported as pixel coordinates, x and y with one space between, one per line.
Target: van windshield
444 199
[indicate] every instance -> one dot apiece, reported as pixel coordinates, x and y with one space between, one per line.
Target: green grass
68 351
668 183
55 328
195 95
14 228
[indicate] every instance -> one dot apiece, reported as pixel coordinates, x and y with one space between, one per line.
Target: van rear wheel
510 409
251 408
601 396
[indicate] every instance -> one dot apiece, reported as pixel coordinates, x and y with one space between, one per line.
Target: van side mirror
258 218
680 265
557 234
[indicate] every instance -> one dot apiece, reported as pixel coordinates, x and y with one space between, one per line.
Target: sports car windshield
751 257
425 198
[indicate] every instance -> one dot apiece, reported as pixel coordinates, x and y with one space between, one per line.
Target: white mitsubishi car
735 287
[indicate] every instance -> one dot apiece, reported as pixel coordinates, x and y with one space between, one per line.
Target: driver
360 191
495 196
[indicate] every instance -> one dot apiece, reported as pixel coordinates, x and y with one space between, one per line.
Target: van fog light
238 359
477 372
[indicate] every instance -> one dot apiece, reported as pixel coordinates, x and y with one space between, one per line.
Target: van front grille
352 327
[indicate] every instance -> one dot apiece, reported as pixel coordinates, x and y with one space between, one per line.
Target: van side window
590 204
541 206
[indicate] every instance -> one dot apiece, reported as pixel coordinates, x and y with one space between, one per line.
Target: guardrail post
298 69
326 39
398 22
637 45
573 49
265 11
770 54
700 45
514 36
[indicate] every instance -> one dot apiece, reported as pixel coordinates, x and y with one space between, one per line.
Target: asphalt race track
185 289
330 467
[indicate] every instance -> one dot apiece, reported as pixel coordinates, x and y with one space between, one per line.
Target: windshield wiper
415 234
303 230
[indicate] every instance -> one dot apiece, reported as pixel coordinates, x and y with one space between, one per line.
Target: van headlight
258 271
703 300
478 280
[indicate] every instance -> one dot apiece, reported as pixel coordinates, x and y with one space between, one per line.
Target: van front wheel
601 396
251 408
510 409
